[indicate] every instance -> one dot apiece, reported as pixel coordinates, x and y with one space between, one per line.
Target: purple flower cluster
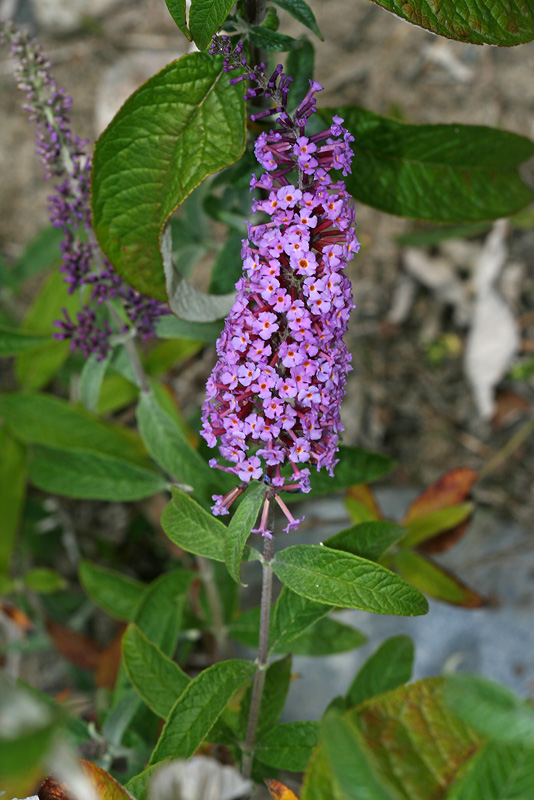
64 158
274 396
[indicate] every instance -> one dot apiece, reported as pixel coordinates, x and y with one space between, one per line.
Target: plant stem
218 629
259 678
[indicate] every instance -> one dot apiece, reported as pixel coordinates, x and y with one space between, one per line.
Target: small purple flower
291 309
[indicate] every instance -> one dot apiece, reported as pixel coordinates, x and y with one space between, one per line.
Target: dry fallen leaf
279 791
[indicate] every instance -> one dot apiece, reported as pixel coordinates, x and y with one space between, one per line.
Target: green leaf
167 444
325 638
12 493
492 710
36 368
199 707
193 529
228 267
303 13
46 420
40 254
138 785
43 580
488 22
179 127
288 745
341 579
292 616
170 327
240 528
271 40
91 379
185 300
170 354
390 666
205 19
425 527
177 9
369 540
91 476
115 393
14 341
417 743
497 772
299 64
159 614
435 580
444 173
351 761
355 466
276 687
158 680
117 594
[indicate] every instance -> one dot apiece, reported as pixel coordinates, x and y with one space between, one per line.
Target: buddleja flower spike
273 398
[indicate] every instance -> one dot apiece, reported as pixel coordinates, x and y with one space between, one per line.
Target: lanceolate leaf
325 638
498 772
424 528
368 539
205 19
13 341
341 579
390 666
288 745
240 527
301 11
276 687
179 127
199 707
450 489
119 595
444 173
177 10
91 476
157 679
12 493
271 40
355 466
106 786
292 616
476 21
435 580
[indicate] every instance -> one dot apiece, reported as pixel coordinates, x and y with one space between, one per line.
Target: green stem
263 652
218 628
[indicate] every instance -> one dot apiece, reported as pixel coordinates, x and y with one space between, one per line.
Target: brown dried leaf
76 647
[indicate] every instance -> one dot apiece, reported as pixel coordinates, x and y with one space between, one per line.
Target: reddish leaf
74 646
449 490
444 540
279 791
52 790
109 662
361 504
18 617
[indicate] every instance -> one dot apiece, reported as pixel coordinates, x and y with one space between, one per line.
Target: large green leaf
325 638
288 745
351 762
390 666
275 689
168 445
240 527
199 707
493 710
91 476
14 341
12 493
34 369
119 595
498 772
293 615
417 744
341 579
368 539
179 127
195 530
205 19
498 22
41 419
157 679
444 173
177 10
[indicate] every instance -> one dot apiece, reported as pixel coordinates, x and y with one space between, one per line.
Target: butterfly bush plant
227 133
